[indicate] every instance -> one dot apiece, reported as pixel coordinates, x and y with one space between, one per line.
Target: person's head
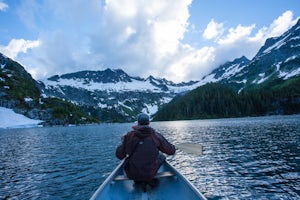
143 119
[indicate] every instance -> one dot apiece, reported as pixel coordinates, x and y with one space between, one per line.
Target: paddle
190 148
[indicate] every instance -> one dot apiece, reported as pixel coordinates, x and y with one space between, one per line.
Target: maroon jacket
142 146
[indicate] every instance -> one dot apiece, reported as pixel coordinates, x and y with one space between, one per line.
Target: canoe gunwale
108 180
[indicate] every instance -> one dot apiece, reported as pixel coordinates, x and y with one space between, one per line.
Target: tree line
215 100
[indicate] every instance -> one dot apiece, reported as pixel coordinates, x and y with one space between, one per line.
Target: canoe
172 185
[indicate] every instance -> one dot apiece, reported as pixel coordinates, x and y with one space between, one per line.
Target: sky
179 40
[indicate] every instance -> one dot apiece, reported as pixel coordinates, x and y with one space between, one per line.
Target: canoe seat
164 174
158 175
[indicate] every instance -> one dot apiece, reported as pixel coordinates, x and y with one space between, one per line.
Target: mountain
15 83
113 95
20 92
85 96
267 84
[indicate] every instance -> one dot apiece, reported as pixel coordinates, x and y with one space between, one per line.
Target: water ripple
246 158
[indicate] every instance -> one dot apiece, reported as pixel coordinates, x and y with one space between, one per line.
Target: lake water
244 158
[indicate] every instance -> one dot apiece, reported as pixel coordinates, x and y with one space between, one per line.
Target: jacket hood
143 131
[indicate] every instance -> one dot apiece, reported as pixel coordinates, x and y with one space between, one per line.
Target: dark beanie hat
143 119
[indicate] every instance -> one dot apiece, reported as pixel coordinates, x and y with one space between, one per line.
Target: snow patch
122 104
166 100
113 87
290 74
243 81
28 99
101 105
150 109
290 58
134 85
278 66
10 119
277 45
261 79
232 70
294 46
295 38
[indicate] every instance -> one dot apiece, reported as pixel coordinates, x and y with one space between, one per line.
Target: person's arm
165 146
120 151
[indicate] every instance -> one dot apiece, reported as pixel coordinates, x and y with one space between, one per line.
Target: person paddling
141 147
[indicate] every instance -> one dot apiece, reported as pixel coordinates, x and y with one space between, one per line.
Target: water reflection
247 158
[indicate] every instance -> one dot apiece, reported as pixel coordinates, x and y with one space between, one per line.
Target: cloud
16 46
190 62
156 28
213 30
281 24
141 37
3 6
277 28
236 34
244 41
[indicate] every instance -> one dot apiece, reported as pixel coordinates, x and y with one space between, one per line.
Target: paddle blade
191 148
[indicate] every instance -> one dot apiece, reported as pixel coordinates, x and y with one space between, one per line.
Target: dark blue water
246 158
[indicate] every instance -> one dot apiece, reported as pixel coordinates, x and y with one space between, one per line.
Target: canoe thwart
158 175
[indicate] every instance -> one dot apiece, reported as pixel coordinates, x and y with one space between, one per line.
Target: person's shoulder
157 134
132 132
155 131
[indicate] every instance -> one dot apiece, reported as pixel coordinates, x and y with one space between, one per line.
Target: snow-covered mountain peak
227 70
116 80
106 76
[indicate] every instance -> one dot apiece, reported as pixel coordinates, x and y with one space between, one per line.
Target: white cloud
141 37
213 30
16 46
242 40
236 34
3 6
277 28
190 62
158 25
138 36
281 24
